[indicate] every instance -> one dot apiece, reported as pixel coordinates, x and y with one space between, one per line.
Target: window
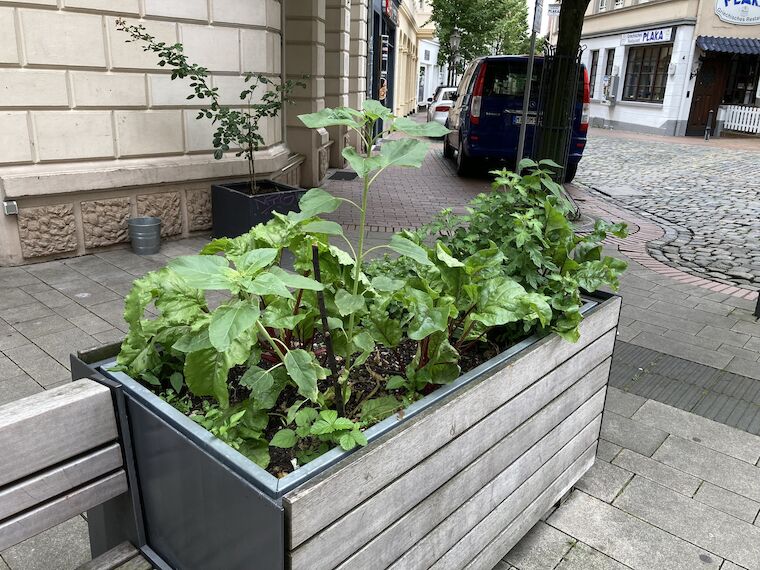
743 75
507 79
602 5
619 3
592 73
646 73
427 55
609 62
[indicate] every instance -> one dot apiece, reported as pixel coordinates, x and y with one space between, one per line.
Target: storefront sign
554 9
742 12
655 36
391 10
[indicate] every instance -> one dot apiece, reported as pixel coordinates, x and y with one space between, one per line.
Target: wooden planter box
453 482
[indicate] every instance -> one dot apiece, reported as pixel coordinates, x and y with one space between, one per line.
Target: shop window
743 76
646 73
592 73
609 61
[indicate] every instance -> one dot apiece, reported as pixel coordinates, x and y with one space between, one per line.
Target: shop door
708 94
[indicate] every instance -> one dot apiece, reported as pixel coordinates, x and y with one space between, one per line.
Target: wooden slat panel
422 519
454 542
325 499
30 523
60 479
138 563
349 533
113 558
50 427
501 545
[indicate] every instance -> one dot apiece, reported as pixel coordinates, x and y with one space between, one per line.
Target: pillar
337 38
357 60
305 56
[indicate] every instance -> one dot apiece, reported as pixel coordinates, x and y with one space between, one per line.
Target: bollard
708 126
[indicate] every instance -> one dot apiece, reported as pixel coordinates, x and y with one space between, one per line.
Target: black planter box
235 210
204 505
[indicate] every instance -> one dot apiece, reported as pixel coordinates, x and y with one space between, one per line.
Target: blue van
485 118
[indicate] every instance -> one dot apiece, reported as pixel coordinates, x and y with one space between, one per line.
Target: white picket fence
741 119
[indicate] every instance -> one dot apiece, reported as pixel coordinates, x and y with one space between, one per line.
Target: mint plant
236 128
296 360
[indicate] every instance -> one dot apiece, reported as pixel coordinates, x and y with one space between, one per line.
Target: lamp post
454 40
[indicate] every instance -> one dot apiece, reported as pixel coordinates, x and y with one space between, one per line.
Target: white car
439 104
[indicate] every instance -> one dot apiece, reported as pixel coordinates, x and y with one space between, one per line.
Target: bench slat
30 492
113 558
30 523
51 427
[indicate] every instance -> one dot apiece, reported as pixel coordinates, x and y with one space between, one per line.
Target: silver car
439 105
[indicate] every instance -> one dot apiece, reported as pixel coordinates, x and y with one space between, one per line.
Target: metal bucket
145 235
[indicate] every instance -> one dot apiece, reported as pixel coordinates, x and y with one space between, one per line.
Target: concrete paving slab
63 547
707 433
45 369
658 472
604 481
583 557
3 565
8 368
623 403
744 367
631 435
23 313
717 468
728 502
627 539
17 387
543 547
728 565
693 521
15 298
682 349
607 451
686 371
46 325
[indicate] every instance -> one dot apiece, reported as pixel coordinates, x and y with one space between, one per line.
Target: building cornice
625 29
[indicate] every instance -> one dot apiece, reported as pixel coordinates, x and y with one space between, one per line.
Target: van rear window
507 79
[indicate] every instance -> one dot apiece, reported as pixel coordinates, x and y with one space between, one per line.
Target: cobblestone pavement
707 195
691 343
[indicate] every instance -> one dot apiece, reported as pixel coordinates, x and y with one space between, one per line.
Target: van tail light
441 108
477 95
586 112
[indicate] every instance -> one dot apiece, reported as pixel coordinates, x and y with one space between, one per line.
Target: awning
747 46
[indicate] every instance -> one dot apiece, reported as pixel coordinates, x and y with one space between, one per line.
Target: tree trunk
558 105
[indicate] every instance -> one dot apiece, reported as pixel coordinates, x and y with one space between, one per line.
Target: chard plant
235 128
290 359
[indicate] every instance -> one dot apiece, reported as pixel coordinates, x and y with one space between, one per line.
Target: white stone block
97 89
8 48
37 2
230 88
121 7
68 135
33 88
60 38
131 55
149 132
14 138
217 49
177 9
199 133
256 53
274 14
274 57
168 92
243 12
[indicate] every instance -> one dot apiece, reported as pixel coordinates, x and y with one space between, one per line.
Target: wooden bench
60 455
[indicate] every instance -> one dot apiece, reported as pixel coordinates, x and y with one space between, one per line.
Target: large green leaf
403 152
331 118
256 260
324 227
285 438
443 253
499 302
315 202
305 372
415 129
387 284
376 110
378 409
268 284
296 281
279 315
385 330
408 248
206 374
193 341
202 271
361 164
348 303
228 322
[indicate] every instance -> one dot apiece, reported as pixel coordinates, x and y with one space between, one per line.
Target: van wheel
448 150
464 162
570 172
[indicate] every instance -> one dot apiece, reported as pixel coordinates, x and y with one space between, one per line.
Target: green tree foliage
511 34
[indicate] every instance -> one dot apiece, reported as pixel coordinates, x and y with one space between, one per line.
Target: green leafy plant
235 128
287 363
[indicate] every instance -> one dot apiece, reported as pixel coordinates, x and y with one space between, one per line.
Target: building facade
93 131
670 66
431 74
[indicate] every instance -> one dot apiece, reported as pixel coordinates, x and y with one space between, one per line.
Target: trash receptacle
145 235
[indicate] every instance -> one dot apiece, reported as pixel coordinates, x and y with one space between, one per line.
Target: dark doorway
708 94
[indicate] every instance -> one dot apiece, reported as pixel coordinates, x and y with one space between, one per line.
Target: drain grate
343 175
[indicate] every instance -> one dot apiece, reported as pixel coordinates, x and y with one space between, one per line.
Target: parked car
485 117
440 104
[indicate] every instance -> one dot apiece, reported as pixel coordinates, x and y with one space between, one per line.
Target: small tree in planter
235 129
298 367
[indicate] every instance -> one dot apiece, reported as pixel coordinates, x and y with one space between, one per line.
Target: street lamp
454 40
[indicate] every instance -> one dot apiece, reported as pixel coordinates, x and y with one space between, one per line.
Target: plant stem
271 341
339 404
